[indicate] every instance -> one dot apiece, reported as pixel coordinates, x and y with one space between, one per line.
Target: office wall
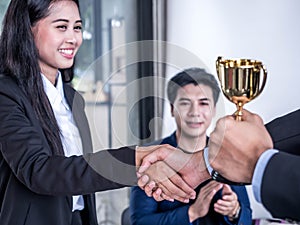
265 30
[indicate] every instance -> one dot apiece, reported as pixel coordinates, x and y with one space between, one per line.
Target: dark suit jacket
146 211
281 180
36 187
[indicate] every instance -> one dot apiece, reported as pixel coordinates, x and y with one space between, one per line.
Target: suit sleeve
280 189
25 151
285 132
146 211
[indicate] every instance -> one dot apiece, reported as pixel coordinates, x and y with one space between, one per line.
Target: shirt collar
55 93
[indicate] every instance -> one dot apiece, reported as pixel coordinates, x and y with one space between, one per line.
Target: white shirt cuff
207 164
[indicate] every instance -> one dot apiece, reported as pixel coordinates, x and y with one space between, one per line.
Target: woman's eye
62 27
78 28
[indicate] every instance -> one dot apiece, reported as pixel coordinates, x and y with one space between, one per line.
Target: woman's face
58 37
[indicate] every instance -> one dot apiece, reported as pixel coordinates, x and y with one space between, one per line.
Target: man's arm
280 189
281 177
242 147
285 132
259 172
235 146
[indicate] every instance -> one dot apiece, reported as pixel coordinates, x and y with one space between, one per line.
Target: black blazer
36 187
281 180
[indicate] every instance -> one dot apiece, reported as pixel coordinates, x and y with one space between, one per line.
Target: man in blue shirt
193 94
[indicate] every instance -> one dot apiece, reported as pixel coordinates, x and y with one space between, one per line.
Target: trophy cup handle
219 59
264 70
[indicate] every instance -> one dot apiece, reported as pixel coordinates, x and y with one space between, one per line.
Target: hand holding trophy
241 80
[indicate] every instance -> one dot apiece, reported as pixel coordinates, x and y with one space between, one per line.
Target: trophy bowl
241 80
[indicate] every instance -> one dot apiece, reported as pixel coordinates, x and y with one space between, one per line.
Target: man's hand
229 204
235 146
201 206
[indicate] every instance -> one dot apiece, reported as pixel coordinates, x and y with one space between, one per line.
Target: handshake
168 173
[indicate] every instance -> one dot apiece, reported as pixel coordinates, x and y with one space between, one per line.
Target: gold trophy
241 80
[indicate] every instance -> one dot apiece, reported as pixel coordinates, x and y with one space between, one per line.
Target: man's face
193 110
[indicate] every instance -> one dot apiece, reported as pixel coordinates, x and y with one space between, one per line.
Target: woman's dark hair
19 59
194 76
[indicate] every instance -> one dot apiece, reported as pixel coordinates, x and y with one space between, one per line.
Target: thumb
226 190
251 117
147 161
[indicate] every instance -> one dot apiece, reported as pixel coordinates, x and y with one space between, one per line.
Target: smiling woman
58 38
44 135
99 37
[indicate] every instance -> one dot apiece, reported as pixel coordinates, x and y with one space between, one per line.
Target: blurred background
132 47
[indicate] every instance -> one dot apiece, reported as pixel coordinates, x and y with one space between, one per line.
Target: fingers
202 204
251 117
228 203
226 190
223 208
143 181
170 183
167 190
151 190
228 194
209 190
157 195
176 188
246 116
226 208
212 185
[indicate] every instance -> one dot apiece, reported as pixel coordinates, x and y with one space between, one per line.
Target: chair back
125 217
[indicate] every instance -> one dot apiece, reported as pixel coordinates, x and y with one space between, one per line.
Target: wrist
196 169
194 214
236 213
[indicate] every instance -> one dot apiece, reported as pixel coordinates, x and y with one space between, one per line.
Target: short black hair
194 76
